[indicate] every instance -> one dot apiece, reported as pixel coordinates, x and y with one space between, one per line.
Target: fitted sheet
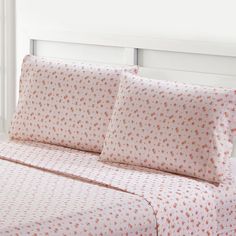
182 206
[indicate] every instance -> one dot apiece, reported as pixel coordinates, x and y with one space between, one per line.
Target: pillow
67 104
233 166
173 127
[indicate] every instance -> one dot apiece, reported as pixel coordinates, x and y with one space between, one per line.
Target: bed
60 188
42 203
52 190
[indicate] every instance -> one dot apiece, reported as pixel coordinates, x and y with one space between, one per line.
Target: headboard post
31 46
131 56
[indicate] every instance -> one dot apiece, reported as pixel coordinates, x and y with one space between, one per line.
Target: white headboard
197 62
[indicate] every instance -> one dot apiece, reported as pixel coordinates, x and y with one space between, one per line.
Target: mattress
181 205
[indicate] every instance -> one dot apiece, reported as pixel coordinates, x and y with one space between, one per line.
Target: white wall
203 19
212 20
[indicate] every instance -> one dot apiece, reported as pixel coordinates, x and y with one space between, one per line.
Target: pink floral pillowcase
67 104
174 127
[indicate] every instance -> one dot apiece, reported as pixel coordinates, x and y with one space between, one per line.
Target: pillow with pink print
64 103
170 126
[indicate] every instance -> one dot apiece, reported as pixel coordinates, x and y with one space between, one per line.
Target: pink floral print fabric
63 103
36 203
182 206
174 127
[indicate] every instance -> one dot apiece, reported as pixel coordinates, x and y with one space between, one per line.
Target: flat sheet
34 202
183 206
